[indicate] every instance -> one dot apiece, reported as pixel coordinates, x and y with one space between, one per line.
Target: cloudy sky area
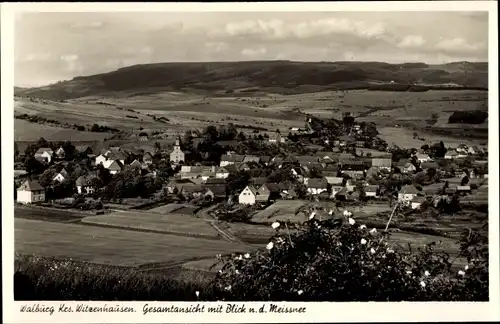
51 47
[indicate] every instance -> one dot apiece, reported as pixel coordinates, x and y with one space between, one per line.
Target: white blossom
269 245
247 255
372 250
373 230
426 273
461 273
352 221
275 225
300 292
422 284
362 227
363 241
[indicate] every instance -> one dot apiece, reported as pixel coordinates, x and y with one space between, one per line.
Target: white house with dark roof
422 157
276 138
451 154
316 186
417 202
407 193
60 176
30 192
382 163
248 196
44 154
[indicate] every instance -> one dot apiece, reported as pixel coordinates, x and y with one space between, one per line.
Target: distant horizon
240 61
54 46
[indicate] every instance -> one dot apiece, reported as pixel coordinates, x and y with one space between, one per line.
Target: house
417 202
60 153
114 167
44 154
409 168
30 192
316 186
262 194
60 176
276 138
248 196
335 189
221 173
306 159
451 154
360 144
177 155
429 165
351 184
100 159
147 158
258 181
176 185
85 184
218 189
83 149
462 148
265 159
143 137
118 156
474 150
422 157
464 188
227 159
135 164
334 181
251 158
382 163
342 194
353 168
196 191
372 191
407 193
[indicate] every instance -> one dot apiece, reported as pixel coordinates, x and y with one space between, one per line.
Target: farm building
372 191
60 153
176 185
100 159
177 155
248 196
407 193
276 138
422 157
147 158
44 154
382 163
30 192
114 166
59 177
231 159
334 181
316 186
86 184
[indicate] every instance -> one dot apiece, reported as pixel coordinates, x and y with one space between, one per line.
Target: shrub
335 261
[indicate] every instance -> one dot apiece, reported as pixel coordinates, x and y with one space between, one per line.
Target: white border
316 312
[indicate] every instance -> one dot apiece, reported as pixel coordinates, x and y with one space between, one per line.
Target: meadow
271 111
111 246
180 224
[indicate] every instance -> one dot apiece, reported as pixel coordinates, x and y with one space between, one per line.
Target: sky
52 47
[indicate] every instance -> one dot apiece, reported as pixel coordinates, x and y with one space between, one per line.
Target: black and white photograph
251 156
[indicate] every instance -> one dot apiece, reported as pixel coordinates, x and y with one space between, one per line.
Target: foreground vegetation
333 260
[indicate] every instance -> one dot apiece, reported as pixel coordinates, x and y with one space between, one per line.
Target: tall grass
39 278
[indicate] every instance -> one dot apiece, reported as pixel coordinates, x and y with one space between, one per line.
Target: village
338 161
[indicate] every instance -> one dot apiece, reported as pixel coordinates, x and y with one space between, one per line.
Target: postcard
250 162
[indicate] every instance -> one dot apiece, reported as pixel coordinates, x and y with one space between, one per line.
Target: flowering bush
336 260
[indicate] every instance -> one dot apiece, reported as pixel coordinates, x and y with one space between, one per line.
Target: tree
211 133
237 182
33 166
431 173
47 177
69 150
241 137
464 181
16 151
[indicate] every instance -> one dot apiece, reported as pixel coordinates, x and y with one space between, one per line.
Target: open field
161 223
174 209
271 111
46 214
27 131
112 246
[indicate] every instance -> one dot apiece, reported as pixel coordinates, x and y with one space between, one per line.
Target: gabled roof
409 189
115 166
232 158
85 180
31 185
275 136
303 159
320 183
381 162
117 156
41 150
251 158
451 153
418 199
252 189
258 181
334 180
265 159
371 188
213 181
82 148
217 189
147 156
135 163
